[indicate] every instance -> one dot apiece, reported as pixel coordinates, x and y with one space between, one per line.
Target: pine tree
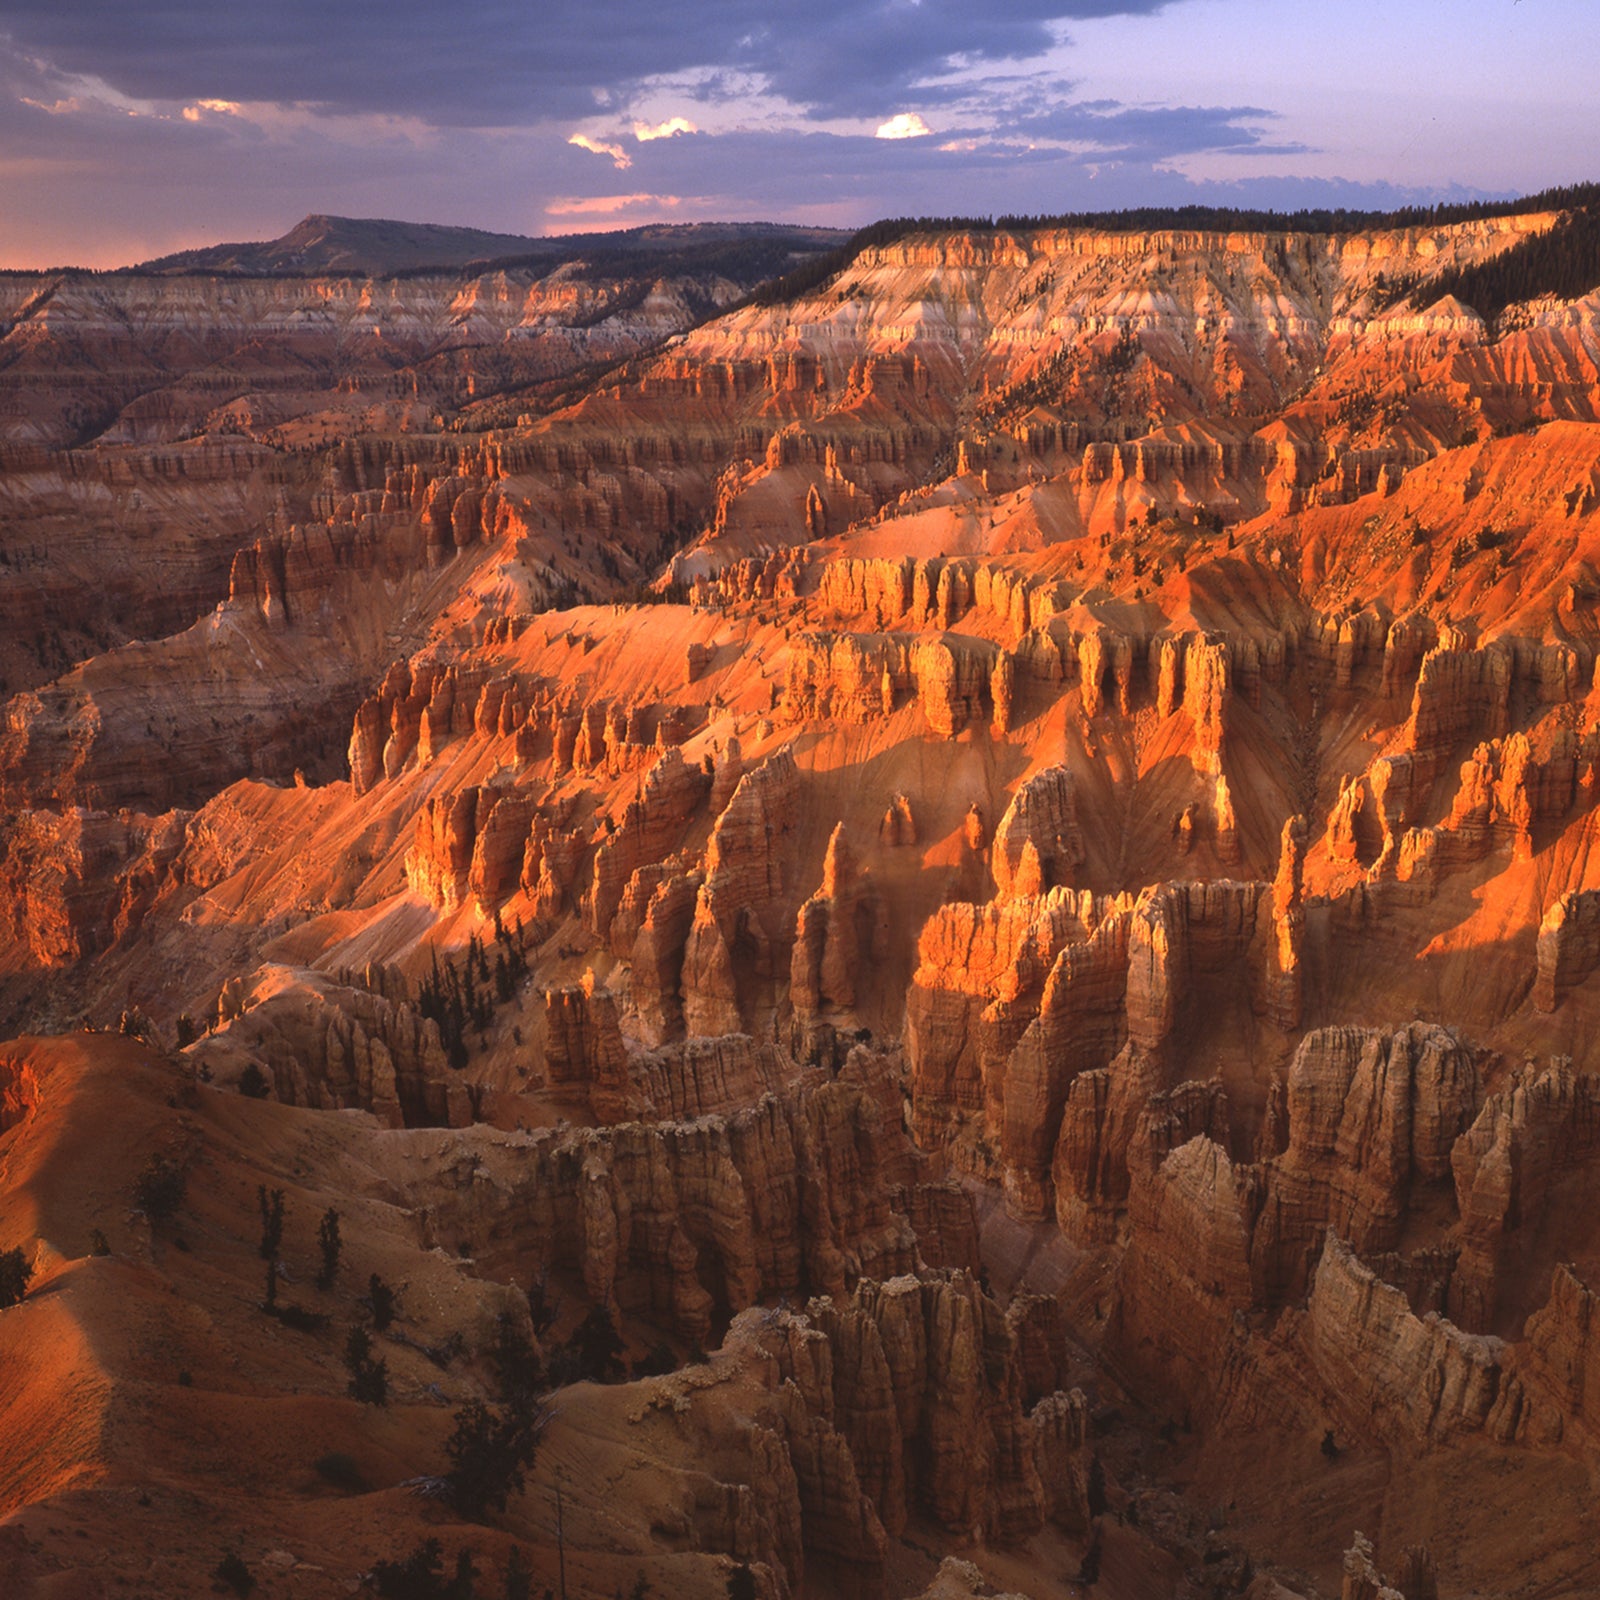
330 1244
270 1202
490 1452
519 1576
382 1300
369 1375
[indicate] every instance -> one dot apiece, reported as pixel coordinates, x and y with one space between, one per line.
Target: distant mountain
374 247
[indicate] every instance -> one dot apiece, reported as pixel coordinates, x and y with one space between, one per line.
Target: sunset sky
133 127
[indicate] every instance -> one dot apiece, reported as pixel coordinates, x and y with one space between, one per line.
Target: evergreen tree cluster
421 1576
813 274
490 1451
1564 262
456 997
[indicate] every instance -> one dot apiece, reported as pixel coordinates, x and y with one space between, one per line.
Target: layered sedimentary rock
336 1046
839 933
1369 1115
926 1386
584 1048
1203 539
1366 1118
1187 1267
1080 1027
650 829
78 881
695 1220
1568 948
1417 1379
658 954
738 935
1539 1132
1557 1369
1038 842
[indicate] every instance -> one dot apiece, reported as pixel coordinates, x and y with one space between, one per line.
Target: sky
129 128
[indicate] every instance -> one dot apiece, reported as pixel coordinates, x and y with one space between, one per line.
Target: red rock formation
583 1045
739 935
1409 1379
439 863
683 1219
927 1375
1038 843
499 850
658 953
1206 691
1568 948
336 1046
1460 692
77 882
1526 1140
1080 1025
1369 1115
652 826
1285 977
837 929
1186 1270
899 826
980 968
1557 1369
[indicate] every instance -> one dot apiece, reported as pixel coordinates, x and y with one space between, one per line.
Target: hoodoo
922 927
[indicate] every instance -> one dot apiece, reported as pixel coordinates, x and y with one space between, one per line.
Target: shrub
253 1082
15 1270
543 1306
418 1576
158 1189
519 1576
301 1320
599 1347
232 1571
341 1471
382 1300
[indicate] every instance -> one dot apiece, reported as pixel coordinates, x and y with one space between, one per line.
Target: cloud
502 63
620 158
644 132
1155 133
903 125
180 122
224 108
608 204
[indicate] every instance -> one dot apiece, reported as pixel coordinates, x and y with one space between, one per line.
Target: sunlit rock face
998 845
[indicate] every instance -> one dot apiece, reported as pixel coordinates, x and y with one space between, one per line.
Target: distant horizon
1505 203
128 134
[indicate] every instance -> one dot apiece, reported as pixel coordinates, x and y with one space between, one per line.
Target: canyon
984 850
